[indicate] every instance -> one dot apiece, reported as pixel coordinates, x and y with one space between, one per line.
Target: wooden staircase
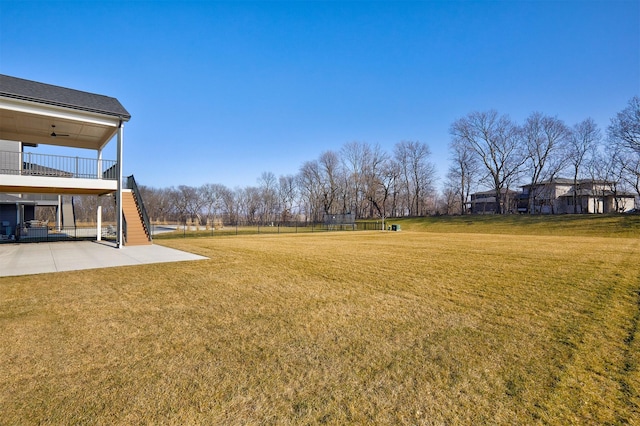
136 233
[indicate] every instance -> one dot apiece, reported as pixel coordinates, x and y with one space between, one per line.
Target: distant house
560 195
485 202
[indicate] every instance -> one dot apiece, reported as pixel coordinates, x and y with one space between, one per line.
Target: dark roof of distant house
559 180
566 181
492 192
27 90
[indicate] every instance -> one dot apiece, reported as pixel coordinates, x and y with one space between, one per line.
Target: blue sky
220 92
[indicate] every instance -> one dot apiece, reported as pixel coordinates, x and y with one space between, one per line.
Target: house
485 202
34 114
560 195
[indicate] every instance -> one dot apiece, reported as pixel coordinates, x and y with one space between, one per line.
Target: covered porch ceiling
34 124
38 113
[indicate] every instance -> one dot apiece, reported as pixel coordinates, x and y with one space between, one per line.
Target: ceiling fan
53 132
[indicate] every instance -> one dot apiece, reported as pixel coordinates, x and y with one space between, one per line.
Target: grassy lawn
411 327
626 225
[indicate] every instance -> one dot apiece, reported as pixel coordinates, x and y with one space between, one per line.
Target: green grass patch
624 226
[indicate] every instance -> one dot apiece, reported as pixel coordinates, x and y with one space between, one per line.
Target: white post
119 231
99 219
99 207
59 214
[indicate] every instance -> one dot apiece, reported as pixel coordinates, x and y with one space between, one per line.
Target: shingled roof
27 90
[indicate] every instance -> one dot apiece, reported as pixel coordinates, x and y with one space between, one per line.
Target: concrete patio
39 258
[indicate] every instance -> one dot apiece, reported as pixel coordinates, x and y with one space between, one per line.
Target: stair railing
131 184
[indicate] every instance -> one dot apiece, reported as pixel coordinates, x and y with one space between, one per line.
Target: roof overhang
31 122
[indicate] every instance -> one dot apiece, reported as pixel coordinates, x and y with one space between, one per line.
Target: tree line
359 179
488 150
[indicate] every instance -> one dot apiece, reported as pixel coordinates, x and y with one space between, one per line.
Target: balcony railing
32 164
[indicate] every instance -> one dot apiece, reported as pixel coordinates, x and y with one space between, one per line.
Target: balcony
33 164
25 172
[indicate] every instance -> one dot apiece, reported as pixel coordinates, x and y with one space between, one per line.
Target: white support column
119 231
59 214
99 219
99 207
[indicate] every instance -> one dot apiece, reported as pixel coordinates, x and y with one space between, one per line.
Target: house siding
591 196
7 163
557 197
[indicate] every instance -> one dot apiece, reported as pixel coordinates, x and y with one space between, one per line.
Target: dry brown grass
343 328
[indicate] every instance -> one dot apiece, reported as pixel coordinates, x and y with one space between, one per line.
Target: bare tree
625 127
178 205
354 156
379 184
614 166
544 138
329 163
453 194
624 132
269 197
248 201
450 200
157 202
374 167
211 195
309 182
401 156
188 203
632 175
493 140
462 173
229 205
418 174
583 141
287 193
